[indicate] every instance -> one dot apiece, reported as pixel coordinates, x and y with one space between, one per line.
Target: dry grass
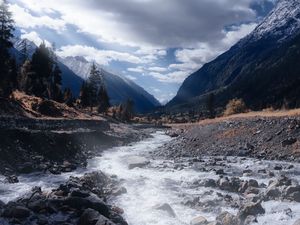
252 114
29 104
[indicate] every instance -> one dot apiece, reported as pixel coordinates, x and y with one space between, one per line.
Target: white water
159 183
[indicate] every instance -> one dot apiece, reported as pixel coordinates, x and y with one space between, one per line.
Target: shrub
235 106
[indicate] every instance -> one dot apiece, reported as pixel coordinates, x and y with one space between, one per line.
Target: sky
155 43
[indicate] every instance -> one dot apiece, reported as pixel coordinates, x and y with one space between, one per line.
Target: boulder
16 212
293 193
136 162
251 209
200 220
119 191
297 222
12 179
89 217
104 221
226 218
166 208
288 142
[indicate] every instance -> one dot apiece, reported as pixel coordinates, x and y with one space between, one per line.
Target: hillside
262 68
119 88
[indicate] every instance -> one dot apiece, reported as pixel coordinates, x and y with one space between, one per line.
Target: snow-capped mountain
76 69
263 68
282 22
119 88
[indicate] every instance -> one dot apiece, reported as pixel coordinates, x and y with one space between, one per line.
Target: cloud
171 23
103 57
158 69
24 19
136 69
130 77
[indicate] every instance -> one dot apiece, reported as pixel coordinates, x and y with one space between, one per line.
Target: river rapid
164 192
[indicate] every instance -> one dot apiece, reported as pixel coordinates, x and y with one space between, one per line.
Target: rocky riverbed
155 181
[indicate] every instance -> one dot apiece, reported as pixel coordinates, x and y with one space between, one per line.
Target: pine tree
95 82
6 33
25 77
42 66
56 83
103 100
68 97
24 51
85 95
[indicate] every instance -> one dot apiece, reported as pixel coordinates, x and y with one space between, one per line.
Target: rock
272 193
16 212
89 217
200 220
119 191
250 220
253 183
25 168
12 179
288 142
251 209
220 172
92 202
167 208
297 222
277 167
136 162
80 194
209 183
227 218
104 221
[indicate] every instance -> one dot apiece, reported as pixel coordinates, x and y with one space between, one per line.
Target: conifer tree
103 100
6 33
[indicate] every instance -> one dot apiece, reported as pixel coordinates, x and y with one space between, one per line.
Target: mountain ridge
260 52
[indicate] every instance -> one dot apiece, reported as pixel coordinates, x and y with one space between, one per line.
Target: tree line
39 74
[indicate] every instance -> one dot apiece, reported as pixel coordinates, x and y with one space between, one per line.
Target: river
158 194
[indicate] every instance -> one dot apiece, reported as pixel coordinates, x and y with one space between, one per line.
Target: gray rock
200 220
167 208
89 217
16 212
227 218
250 209
104 221
136 162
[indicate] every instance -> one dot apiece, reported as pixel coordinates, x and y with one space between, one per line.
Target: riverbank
250 135
59 145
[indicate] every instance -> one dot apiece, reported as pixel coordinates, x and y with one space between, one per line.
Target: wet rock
16 212
253 183
277 167
272 193
220 172
227 218
200 220
136 162
119 191
293 193
104 221
297 222
250 209
80 193
166 208
25 168
288 142
208 183
92 202
12 179
250 220
89 217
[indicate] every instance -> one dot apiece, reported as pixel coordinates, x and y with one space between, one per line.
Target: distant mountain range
76 69
262 68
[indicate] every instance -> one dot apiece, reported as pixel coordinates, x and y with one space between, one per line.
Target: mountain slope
119 88
262 68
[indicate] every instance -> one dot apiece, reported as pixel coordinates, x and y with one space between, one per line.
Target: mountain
119 88
76 69
69 78
262 68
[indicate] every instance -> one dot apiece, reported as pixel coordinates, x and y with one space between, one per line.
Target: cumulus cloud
103 57
25 19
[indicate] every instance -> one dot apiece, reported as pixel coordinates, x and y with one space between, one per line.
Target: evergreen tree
210 105
25 77
56 93
6 33
42 66
85 95
68 97
95 82
103 100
